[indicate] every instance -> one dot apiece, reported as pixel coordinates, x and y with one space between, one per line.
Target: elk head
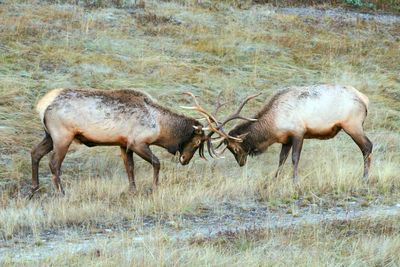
236 147
195 142
233 143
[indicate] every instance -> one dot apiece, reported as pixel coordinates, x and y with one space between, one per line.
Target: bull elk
295 114
126 118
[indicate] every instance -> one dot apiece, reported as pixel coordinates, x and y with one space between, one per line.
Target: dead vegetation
362 242
166 48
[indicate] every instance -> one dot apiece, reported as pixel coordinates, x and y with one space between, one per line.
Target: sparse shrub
153 19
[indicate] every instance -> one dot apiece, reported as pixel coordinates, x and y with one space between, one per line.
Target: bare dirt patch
228 219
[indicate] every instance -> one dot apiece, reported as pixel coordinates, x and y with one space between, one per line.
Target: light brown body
126 118
299 113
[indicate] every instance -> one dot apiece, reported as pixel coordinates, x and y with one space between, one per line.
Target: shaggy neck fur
258 138
176 130
253 141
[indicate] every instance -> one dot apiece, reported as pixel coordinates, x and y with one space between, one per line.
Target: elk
129 119
297 113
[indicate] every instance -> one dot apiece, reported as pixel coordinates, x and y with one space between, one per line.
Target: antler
218 127
218 104
235 115
211 119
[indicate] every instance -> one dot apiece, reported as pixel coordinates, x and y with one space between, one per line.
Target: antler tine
218 105
212 151
210 148
221 131
210 118
221 150
201 151
217 128
193 96
236 115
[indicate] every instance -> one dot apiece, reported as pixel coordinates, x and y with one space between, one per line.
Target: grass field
165 49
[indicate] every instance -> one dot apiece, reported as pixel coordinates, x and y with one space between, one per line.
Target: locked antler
214 126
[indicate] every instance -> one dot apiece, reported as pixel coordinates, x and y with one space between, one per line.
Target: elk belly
323 133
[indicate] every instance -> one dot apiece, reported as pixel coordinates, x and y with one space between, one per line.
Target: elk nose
183 160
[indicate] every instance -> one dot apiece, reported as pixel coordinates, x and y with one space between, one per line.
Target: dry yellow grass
362 242
166 49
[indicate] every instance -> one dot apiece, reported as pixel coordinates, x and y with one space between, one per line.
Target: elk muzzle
184 160
241 159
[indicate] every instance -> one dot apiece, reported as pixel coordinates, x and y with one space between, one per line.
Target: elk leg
60 150
282 157
127 156
365 146
145 153
37 153
296 151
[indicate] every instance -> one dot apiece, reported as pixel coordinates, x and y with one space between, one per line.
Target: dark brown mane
255 136
181 131
180 126
257 132
270 103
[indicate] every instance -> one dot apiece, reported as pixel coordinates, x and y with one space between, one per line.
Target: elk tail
45 102
363 99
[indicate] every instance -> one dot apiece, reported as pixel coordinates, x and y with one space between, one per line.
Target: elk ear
242 136
198 129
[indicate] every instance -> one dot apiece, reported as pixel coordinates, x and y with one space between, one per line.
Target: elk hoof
296 182
61 193
132 190
149 191
33 191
